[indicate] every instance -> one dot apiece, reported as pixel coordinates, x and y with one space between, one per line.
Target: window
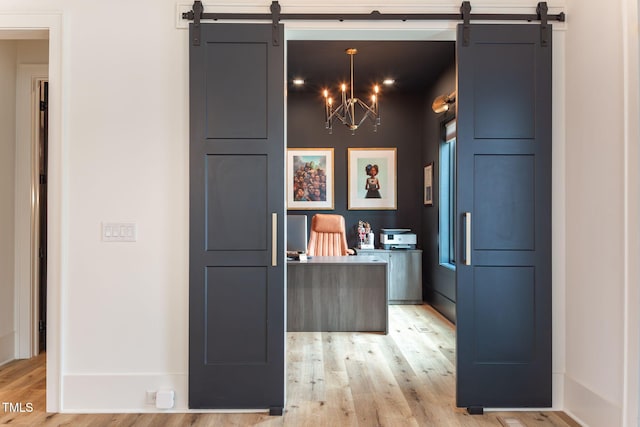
447 195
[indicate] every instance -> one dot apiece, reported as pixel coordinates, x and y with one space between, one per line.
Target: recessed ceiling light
388 82
298 82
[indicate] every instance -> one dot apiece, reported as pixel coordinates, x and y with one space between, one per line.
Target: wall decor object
372 179
428 184
310 178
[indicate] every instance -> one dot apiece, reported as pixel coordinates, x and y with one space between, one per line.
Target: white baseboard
588 408
557 393
124 393
7 348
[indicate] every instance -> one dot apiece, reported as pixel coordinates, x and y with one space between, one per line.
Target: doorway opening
420 70
30 57
44 30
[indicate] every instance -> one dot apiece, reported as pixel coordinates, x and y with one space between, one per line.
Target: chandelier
346 111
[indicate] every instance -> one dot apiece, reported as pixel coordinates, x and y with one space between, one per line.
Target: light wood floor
406 378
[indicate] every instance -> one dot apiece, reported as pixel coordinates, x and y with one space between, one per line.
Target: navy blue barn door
236 218
503 278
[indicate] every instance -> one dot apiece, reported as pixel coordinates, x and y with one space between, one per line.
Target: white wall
601 193
8 54
123 157
125 304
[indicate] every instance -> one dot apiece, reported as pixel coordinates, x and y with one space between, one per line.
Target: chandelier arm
335 113
351 111
344 122
370 114
364 117
346 118
367 108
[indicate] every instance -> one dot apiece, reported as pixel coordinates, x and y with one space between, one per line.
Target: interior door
236 260
503 196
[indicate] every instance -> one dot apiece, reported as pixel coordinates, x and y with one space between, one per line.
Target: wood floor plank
340 406
405 378
366 412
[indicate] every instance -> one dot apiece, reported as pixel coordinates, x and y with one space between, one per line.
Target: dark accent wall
409 124
439 287
401 127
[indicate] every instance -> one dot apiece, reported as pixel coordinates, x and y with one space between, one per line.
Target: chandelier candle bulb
326 105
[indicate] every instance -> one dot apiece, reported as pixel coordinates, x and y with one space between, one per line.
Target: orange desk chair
328 236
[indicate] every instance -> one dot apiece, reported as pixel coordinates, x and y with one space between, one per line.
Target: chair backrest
328 236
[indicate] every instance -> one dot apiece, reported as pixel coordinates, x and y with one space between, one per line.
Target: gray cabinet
404 274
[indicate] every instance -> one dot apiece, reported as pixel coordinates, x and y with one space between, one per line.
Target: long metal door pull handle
467 238
274 239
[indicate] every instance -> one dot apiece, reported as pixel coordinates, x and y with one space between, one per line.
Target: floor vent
510 422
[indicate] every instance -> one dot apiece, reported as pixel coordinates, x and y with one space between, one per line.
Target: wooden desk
341 294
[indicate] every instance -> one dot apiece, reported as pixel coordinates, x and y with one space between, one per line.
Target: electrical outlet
165 399
151 397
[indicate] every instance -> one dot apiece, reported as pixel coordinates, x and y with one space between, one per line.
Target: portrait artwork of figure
372 183
376 188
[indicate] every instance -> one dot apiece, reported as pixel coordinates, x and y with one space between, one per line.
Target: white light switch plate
119 232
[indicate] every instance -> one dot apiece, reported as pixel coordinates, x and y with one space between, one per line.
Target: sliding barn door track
197 14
